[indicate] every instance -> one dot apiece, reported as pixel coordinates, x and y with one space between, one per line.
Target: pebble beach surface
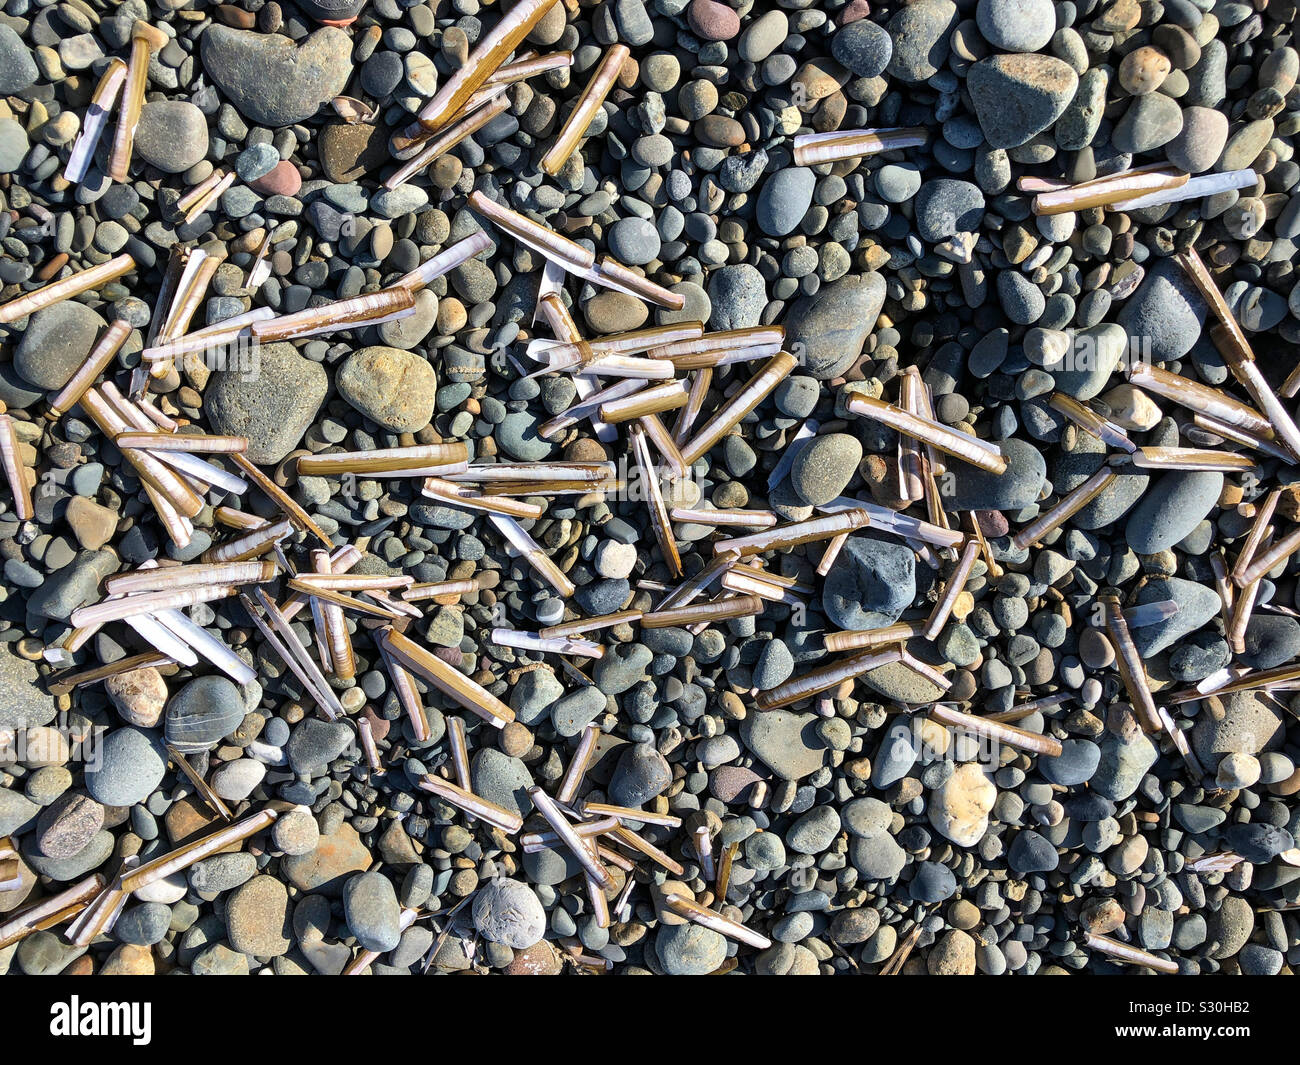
969 646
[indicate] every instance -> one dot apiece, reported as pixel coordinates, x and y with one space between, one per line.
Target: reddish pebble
541 959
855 12
378 726
283 180
727 782
993 523
713 21
451 655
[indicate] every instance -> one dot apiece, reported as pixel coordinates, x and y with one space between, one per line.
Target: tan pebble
516 739
1289 786
1101 916
129 960
1144 70
1119 16
953 955
451 315
1131 408
820 79
92 524
963 605
964 914
138 695
189 817
541 959
61 129
936 738
959 808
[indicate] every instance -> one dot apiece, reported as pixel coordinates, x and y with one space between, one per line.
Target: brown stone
188 818
92 524
327 868
719 131
283 180
347 152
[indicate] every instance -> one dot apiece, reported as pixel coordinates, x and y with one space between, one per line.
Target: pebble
144 925
15 811
171 135
873 584
236 781
919 32
634 241
371 909
959 809
1151 121
131 764
22 703
1239 723
272 80
713 21
201 713
766 33
13 145
784 200
1031 852
689 950
315 744
17 67
272 407
787 743
509 912
1017 487
823 469
257 918
827 333
138 695
863 47
946 207
393 388
67 826
1166 311
1171 509
737 295
1018 96
92 524
349 151
641 774
296 832
1124 761
1016 25
55 343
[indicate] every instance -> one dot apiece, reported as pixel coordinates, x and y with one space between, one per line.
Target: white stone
615 560
960 807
